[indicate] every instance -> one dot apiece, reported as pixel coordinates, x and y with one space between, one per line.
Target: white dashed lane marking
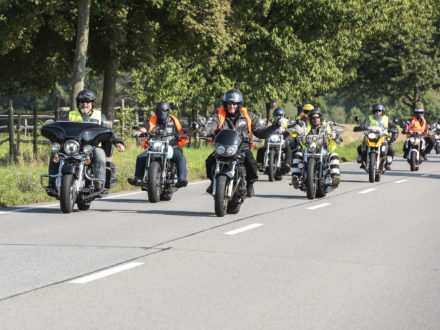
242 229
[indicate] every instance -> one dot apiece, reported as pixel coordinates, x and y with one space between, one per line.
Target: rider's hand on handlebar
135 134
203 134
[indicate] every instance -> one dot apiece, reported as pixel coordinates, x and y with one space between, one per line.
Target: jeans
178 158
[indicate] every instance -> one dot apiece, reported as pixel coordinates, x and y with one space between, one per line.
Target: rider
236 117
305 112
378 115
302 118
163 123
318 126
419 124
278 115
85 101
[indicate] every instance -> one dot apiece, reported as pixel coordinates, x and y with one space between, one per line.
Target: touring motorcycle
73 144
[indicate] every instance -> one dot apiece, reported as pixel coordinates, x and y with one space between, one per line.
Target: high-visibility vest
76 116
331 145
222 116
180 141
415 126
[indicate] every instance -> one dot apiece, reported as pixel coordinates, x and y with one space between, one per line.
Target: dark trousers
249 163
178 158
287 152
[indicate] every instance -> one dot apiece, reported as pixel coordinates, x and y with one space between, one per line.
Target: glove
203 133
277 124
135 134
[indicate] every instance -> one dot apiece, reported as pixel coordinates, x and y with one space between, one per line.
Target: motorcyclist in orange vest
163 123
236 117
419 123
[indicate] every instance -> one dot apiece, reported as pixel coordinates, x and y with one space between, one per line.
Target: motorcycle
375 147
229 182
274 157
436 133
416 145
315 178
73 144
161 173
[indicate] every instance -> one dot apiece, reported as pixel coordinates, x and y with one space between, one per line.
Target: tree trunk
269 108
12 155
82 40
109 91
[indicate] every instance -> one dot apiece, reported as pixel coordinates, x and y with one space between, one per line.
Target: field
20 184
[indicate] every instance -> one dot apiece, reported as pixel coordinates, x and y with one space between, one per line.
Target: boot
209 189
295 181
181 183
250 190
336 179
134 181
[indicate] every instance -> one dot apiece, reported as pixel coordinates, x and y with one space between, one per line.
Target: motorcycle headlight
157 146
275 138
372 136
56 147
71 147
412 140
88 149
220 149
231 150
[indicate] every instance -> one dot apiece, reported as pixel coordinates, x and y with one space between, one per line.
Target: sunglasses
85 101
315 117
233 103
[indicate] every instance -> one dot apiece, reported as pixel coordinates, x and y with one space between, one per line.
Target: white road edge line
367 191
425 174
242 229
104 273
400 181
318 206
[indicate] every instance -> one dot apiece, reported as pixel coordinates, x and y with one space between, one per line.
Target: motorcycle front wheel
413 162
372 167
67 193
272 168
220 195
154 188
311 183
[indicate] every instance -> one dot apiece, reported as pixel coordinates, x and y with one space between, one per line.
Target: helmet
278 112
85 95
235 96
307 108
419 112
379 107
162 111
315 112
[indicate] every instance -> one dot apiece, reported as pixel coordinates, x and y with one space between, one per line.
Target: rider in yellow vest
85 100
378 118
316 125
236 117
163 123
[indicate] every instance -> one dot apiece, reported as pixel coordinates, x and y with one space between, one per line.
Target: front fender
68 169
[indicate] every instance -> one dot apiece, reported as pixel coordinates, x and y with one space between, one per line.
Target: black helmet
85 95
315 112
162 111
278 112
235 96
419 112
379 107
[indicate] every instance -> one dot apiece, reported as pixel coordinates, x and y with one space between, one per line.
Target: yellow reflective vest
76 116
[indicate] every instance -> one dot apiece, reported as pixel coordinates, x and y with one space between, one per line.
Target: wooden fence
19 129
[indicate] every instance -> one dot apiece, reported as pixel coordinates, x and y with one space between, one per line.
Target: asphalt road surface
367 256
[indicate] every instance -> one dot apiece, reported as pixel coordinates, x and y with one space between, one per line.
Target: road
367 256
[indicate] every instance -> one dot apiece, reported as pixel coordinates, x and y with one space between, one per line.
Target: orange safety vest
416 127
180 141
222 115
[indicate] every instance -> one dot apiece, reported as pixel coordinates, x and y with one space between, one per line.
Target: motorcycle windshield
227 137
85 133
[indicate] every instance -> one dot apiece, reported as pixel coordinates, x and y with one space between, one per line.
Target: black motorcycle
72 145
229 182
161 173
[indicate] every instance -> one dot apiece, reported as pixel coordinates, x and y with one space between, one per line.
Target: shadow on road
279 196
164 212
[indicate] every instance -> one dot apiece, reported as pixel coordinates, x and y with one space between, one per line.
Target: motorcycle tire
311 184
372 167
233 208
413 162
271 168
67 193
220 201
154 187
